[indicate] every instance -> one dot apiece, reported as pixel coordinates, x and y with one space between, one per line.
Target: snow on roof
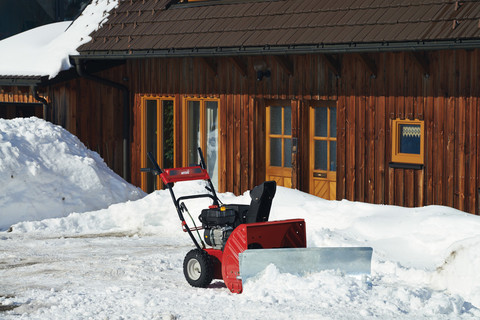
45 50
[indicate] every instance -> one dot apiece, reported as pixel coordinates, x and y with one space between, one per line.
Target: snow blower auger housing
243 242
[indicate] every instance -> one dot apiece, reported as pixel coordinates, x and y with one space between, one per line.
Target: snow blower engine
241 239
218 222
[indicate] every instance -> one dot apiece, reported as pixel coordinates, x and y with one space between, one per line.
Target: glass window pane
193 134
287 153
275 120
167 124
287 120
410 138
333 122
212 140
276 152
321 122
321 160
333 155
151 139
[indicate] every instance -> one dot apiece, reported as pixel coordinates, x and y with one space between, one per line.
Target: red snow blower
241 239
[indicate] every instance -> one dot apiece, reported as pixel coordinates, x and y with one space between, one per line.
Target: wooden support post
369 63
422 62
334 64
240 65
210 65
295 167
285 64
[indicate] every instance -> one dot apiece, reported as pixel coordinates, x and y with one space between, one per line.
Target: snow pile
46 172
45 50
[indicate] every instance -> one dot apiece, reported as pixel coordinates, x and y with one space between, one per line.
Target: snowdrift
46 172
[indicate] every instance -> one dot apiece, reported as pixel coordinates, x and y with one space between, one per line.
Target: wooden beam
422 62
210 65
369 63
285 64
240 64
334 64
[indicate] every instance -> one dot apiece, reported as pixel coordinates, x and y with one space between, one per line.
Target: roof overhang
20 81
65 75
286 50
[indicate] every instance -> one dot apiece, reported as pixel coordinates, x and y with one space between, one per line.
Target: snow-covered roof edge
45 51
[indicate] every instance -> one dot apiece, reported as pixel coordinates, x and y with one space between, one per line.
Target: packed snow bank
433 247
45 50
46 172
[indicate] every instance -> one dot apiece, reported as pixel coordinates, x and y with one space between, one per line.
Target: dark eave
66 75
20 81
282 50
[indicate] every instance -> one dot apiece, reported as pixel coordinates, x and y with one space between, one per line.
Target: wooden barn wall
447 100
242 99
93 112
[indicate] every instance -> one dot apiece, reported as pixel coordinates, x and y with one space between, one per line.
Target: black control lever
156 170
202 159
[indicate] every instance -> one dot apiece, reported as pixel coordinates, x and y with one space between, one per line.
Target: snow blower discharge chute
243 242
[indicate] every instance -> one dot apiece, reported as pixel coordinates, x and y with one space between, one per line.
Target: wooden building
374 101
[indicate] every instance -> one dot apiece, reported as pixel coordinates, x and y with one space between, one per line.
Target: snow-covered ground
125 261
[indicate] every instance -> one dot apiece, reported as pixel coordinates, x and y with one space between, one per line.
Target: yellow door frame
282 175
325 180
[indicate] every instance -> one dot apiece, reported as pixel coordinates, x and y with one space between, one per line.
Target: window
325 138
202 131
157 137
407 141
279 136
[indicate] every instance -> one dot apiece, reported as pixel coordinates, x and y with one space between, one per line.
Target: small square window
407 141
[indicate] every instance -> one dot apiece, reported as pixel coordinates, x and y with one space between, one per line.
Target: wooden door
323 150
279 144
157 138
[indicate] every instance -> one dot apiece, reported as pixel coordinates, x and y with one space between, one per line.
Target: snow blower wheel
198 268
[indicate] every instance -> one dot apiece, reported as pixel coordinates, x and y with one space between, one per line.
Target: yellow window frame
397 155
203 129
203 133
144 162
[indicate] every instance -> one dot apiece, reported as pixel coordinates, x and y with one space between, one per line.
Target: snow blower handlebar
170 176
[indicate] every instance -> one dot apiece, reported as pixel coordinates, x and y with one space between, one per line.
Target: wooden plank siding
447 99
